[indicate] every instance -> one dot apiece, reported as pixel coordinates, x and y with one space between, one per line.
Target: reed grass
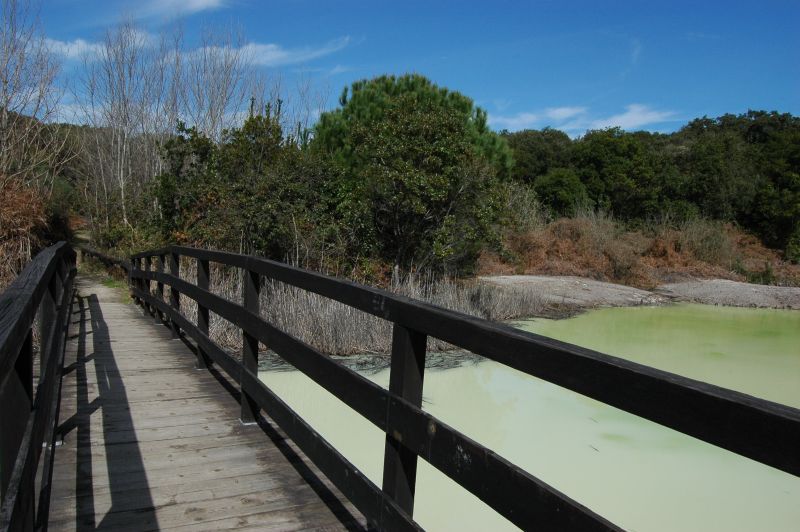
338 329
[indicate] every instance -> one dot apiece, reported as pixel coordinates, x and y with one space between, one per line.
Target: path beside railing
150 442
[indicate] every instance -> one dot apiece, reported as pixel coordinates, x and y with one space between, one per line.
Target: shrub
793 246
562 191
22 219
707 240
418 172
521 209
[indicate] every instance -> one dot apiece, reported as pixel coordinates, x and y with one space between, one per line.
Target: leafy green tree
746 168
562 191
417 172
186 186
251 192
536 152
619 171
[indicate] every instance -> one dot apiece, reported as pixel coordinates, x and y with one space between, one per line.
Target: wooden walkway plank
152 443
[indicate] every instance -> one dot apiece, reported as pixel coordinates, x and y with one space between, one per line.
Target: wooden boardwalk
150 443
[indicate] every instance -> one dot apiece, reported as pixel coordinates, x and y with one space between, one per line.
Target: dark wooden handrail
106 260
758 429
27 419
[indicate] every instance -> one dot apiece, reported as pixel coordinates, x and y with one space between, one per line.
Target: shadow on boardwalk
125 467
154 444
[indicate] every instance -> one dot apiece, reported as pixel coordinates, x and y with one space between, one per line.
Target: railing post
47 318
251 287
174 295
148 262
405 380
202 312
17 399
135 265
160 286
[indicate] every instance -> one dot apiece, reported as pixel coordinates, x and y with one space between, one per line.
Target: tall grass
522 209
707 240
338 329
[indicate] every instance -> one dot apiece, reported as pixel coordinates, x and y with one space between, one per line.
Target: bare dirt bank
578 293
733 293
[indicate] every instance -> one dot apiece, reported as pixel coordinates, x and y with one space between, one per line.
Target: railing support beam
251 288
174 295
160 288
148 266
203 278
47 318
405 380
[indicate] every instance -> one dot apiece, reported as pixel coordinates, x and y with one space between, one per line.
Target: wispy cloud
526 120
176 8
340 69
75 49
271 55
563 113
501 104
576 120
636 51
515 122
262 54
635 116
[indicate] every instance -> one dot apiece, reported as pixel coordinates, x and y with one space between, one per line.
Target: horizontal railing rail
105 260
758 429
30 406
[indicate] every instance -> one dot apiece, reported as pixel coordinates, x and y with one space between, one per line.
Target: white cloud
515 122
636 51
576 120
339 69
262 54
501 104
75 49
176 8
635 116
271 55
80 48
526 120
563 113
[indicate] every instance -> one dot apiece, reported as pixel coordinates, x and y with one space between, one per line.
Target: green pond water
638 474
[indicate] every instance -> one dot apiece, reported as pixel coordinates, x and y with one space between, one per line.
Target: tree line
171 143
405 173
735 168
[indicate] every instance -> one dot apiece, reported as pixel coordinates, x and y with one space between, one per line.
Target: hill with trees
173 146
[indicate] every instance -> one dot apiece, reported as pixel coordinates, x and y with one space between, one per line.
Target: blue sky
569 65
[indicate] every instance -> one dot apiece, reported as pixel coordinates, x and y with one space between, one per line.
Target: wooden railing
755 428
109 262
29 405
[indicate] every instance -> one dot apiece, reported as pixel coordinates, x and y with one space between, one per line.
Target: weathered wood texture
28 391
152 443
755 428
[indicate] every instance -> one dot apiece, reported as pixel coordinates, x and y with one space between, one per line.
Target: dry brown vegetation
338 329
594 245
22 218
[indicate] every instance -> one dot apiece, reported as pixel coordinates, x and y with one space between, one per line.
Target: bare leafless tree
131 94
29 149
219 80
136 88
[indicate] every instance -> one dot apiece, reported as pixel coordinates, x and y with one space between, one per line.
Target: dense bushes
416 172
737 168
408 174
405 173
250 192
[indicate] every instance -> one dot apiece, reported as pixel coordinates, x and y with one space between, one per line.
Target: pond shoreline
566 296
